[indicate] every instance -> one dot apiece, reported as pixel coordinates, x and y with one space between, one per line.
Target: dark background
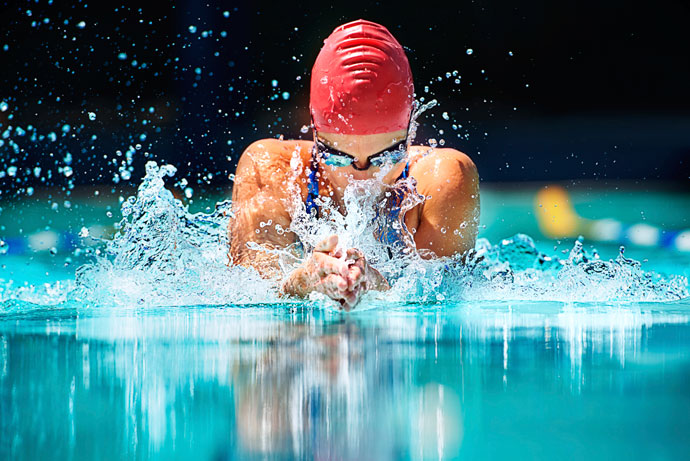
581 91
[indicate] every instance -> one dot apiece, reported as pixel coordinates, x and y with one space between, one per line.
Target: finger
354 254
333 286
326 245
354 276
351 299
329 265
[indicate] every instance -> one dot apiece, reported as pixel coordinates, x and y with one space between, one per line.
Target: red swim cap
361 82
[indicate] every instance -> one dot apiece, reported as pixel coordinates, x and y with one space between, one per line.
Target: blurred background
593 95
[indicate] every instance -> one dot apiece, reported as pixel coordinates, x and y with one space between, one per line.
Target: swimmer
361 104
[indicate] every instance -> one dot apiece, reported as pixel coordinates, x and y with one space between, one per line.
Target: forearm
266 264
298 283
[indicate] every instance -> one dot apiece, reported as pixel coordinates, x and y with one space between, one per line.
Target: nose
360 165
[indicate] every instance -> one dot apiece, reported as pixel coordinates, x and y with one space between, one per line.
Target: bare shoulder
433 166
269 155
267 162
448 180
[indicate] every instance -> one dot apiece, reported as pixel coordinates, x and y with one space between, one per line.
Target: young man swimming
361 104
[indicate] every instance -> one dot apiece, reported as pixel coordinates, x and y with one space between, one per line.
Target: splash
163 255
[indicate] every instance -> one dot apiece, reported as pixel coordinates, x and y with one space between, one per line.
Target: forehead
362 144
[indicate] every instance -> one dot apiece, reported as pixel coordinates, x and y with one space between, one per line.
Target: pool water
490 380
399 379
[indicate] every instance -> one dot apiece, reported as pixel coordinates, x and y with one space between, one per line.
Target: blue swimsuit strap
313 186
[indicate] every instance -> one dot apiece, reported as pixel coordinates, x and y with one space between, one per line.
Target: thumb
327 245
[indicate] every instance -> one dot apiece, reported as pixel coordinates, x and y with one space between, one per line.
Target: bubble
92 116
192 29
510 53
226 14
274 83
122 56
286 95
304 129
4 247
81 25
445 116
469 51
4 106
12 171
188 192
66 128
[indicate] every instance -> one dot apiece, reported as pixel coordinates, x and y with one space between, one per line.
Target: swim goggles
389 156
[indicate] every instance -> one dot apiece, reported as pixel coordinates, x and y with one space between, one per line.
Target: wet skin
271 171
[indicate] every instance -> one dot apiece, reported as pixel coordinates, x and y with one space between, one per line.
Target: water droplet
81 24
469 51
304 129
445 116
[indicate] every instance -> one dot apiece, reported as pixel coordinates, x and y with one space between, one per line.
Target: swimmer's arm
448 219
259 198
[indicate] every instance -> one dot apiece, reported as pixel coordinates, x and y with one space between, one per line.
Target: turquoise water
478 380
536 365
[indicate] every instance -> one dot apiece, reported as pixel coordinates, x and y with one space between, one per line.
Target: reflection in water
413 381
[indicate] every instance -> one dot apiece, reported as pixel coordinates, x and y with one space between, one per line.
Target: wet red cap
361 82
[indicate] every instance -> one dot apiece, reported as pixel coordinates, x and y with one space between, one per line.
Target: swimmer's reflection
342 394
306 396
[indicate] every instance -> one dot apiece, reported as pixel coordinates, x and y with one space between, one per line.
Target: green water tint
402 381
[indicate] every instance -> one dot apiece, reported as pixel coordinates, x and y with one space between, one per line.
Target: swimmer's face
373 155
